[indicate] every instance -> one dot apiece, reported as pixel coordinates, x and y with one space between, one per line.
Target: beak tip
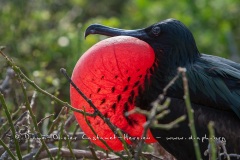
85 35
90 30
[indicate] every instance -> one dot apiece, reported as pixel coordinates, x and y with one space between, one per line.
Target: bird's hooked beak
109 31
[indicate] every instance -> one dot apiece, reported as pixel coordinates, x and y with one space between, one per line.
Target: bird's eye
156 30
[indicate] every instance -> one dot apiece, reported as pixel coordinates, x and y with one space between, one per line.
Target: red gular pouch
112 73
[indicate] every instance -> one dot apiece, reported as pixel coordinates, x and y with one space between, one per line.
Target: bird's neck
170 58
161 73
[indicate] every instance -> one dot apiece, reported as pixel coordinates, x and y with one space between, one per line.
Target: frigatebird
214 86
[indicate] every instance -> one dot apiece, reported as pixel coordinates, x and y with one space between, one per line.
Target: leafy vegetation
44 36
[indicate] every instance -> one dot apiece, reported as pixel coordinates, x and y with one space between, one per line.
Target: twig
7 149
60 141
69 121
231 155
165 89
31 112
212 151
44 119
214 146
108 147
156 107
93 153
159 151
69 145
162 114
64 152
125 145
190 112
11 126
144 155
19 74
5 84
137 110
63 132
171 124
18 120
219 145
56 120
76 134
34 85
151 156
147 125
33 99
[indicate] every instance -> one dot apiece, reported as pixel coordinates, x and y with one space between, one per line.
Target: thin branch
215 145
171 124
63 133
11 126
69 145
231 155
94 153
31 113
137 110
34 85
157 107
151 156
6 82
69 121
33 99
105 143
49 116
162 114
76 134
7 149
19 74
151 118
60 142
190 112
222 145
55 123
15 123
165 89
57 120
212 151
64 152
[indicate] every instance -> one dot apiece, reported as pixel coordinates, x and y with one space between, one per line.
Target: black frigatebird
214 86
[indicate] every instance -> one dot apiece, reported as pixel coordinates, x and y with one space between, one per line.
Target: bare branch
190 112
64 152
44 119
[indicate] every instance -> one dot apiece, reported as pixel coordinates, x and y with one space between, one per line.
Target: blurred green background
44 36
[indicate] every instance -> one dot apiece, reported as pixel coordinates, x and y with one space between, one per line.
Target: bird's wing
215 82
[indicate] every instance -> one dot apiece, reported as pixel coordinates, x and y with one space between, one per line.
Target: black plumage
214 85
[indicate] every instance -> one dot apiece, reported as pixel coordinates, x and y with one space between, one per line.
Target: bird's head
172 41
